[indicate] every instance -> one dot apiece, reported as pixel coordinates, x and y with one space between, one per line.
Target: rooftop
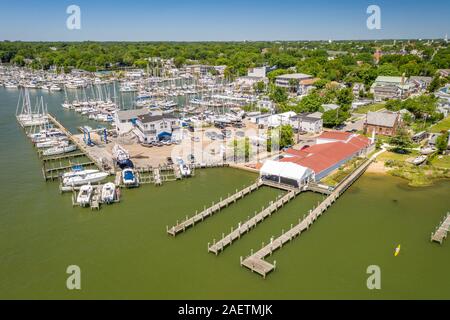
295 76
147 118
131 114
383 119
320 157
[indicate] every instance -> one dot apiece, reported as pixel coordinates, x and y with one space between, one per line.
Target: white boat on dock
129 178
79 178
419 160
55 151
85 195
52 143
185 170
109 193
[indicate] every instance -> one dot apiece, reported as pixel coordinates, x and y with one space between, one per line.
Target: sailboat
27 117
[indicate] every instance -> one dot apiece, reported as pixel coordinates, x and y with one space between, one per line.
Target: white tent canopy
286 170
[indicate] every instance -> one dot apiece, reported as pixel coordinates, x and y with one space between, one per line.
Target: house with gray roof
154 128
383 123
125 119
385 88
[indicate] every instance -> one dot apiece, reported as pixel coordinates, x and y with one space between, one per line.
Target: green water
124 252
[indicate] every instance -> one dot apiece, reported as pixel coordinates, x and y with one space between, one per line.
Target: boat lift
103 133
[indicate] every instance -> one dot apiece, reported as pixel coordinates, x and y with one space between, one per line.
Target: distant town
393 94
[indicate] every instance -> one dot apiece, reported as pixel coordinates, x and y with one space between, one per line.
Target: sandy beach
377 167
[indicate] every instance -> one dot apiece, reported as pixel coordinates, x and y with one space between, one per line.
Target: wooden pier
442 231
317 188
198 217
256 263
245 227
280 186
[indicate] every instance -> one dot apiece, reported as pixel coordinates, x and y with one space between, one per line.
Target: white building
153 128
296 82
257 72
280 119
286 173
125 120
311 123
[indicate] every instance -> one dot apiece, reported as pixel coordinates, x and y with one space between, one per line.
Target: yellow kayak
397 250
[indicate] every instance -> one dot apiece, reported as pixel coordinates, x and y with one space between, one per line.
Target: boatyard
215 173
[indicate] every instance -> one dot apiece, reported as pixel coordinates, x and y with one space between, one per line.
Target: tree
260 87
282 137
286 136
334 118
278 95
344 98
435 84
311 103
442 142
401 141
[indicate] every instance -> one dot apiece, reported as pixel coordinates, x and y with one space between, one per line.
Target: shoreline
378 167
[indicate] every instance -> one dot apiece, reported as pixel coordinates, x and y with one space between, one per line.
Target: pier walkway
198 217
442 231
217 247
256 263
79 145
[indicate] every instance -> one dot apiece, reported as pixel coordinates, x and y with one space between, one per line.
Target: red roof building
325 157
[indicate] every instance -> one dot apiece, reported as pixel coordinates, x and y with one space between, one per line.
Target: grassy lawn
444 162
419 176
370 107
396 156
335 178
441 126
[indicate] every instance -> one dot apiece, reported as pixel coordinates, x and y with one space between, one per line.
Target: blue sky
217 20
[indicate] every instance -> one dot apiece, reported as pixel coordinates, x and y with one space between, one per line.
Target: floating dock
442 231
245 227
198 217
256 263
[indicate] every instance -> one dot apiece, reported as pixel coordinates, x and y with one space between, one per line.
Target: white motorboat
11 85
184 168
77 172
67 105
419 160
80 178
55 88
85 195
59 150
109 193
129 177
427 151
52 143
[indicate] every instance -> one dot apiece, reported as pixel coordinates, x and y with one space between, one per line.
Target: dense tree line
345 61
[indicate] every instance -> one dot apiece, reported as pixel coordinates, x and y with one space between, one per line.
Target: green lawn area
444 162
441 126
396 156
335 178
370 107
